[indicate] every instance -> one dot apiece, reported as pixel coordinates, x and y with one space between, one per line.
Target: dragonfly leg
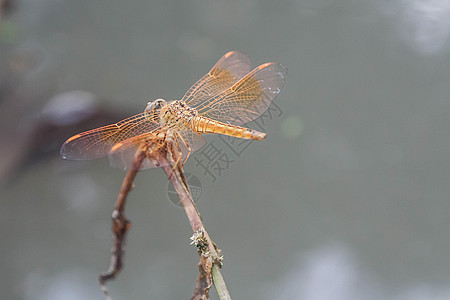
178 155
174 149
187 146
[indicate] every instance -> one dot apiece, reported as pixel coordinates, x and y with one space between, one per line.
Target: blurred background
347 198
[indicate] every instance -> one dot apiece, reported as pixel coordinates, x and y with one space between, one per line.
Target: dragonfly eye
155 105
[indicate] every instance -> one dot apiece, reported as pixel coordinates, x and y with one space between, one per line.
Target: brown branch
120 224
204 281
210 257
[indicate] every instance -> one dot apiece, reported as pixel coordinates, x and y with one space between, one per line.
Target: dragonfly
228 96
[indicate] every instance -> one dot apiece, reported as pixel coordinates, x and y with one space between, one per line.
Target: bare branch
120 224
210 257
205 280
206 247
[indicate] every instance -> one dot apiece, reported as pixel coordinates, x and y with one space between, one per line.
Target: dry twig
210 257
120 225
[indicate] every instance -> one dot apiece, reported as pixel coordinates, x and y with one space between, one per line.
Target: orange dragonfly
228 96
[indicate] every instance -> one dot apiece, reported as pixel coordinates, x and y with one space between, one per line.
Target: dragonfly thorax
176 111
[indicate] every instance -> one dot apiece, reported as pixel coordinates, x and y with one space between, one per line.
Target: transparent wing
98 142
124 159
248 98
228 70
123 153
190 138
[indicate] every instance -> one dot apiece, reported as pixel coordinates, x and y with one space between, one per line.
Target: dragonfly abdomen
206 125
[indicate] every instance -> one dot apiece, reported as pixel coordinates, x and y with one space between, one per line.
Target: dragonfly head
153 106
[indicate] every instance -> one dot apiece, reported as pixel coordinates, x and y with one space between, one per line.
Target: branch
210 257
120 225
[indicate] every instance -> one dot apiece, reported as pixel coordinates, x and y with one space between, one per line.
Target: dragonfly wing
122 155
190 138
98 142
248 98
229 69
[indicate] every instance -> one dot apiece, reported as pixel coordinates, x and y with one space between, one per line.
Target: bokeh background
347 198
